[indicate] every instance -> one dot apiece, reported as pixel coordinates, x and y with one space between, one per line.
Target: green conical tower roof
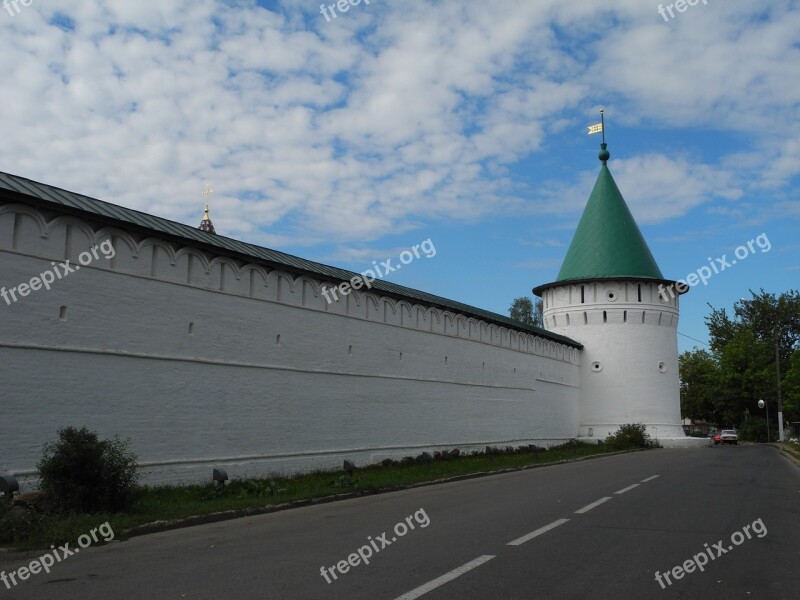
607 243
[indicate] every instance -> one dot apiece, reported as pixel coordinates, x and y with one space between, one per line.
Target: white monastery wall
205 360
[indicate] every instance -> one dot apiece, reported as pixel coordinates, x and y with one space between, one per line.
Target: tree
747 368
743 347
791 389
522 309
700 379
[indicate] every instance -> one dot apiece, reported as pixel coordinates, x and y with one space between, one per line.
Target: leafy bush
19 524
754 429
83 474
629 436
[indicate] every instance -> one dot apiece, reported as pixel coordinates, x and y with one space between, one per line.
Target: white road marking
627 489
650 478
589 507
439 581
538 532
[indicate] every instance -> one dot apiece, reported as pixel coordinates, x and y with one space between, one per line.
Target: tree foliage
700 379
523 309
724 385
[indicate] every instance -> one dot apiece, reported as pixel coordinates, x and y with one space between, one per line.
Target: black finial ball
604 154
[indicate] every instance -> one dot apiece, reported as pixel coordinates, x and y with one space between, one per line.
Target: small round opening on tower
612 296
596 367
662 367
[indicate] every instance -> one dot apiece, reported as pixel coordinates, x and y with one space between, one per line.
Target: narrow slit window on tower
640 291
567 318
585 318
583 295
605 317
624 316
643 315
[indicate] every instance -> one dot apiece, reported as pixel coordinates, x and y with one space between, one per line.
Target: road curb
228 515
788 455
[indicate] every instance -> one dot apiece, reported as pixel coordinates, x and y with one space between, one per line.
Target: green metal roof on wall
113 214
607 243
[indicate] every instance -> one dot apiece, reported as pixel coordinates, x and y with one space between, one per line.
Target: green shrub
629 436
20 524
754 429
83 474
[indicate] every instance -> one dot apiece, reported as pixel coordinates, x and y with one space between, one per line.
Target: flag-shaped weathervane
598 127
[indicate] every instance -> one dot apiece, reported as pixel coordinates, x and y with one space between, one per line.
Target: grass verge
170 503
791 449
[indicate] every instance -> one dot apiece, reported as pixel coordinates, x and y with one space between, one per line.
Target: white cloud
392 115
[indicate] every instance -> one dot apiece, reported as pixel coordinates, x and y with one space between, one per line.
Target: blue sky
348 140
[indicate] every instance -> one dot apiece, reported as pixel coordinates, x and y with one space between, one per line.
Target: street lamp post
762 404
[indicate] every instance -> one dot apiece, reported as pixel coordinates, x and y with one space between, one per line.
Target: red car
717 439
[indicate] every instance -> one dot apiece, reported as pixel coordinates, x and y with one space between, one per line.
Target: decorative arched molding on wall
450 325
474 328
28 211
356 304
434 317
309 291
69 221
232 266
198 267
119 237
195 254
252 272
421 319
373 307
162 247
282 283
230 274
388 310
462 326
406 312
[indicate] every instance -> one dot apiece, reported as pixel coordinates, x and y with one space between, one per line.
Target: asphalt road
590 530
